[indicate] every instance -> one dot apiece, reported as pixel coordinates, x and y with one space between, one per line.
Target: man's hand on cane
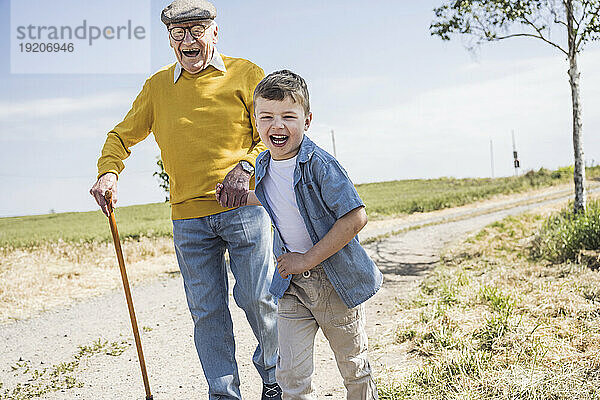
106 182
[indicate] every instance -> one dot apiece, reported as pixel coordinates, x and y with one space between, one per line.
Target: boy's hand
292 263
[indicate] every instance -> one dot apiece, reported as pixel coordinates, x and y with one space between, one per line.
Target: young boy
324 275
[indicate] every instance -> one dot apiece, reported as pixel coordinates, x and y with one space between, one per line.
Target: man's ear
169 36
307 121
216 34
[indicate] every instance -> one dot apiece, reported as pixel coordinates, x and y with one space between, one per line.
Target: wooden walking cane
134 325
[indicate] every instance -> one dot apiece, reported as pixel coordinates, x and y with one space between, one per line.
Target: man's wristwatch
246 166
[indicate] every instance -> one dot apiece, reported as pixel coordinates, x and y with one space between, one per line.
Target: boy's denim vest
324 194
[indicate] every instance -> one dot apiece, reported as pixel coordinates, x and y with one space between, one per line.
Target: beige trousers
311 303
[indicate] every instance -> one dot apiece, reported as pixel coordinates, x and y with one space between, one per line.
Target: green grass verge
565 234
382 199
491 322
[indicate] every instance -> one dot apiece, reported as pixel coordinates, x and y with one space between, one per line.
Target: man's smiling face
194 54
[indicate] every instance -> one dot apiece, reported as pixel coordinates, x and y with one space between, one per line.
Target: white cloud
446 131
54 107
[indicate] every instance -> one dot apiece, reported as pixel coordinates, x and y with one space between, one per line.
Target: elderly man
201 113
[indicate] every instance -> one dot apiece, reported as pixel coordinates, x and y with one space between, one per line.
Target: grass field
383 200
420 195
152 220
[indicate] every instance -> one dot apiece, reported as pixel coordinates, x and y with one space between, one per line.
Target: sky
402 104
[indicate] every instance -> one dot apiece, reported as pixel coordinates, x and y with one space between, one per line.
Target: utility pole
517 164
492 156
333 141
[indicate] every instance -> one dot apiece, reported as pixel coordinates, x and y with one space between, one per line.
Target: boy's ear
307 121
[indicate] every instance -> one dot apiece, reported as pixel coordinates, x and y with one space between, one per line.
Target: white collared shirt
216 61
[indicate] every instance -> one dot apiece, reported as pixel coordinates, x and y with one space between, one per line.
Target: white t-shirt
279 192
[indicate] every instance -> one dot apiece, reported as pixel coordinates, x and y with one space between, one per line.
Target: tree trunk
579 171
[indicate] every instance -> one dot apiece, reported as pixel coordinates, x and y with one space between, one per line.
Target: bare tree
493 20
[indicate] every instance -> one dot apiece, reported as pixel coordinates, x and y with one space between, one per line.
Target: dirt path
173 367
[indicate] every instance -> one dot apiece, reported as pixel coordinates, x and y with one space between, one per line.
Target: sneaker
271 391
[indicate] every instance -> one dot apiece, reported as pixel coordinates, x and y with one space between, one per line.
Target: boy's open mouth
278 140
190 53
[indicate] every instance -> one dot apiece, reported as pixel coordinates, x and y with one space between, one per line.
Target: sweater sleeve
255 75
134 128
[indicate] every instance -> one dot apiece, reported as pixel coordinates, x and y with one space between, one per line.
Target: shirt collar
307 148
216 61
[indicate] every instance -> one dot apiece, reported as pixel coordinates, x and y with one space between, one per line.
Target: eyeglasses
197 31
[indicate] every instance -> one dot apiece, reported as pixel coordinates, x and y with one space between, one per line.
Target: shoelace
271 390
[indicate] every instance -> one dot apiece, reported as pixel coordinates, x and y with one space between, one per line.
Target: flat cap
188 10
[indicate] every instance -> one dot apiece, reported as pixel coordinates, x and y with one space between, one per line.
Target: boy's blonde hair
280 84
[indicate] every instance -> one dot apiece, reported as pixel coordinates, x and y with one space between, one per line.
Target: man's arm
134 128
257 147
338 236
237 181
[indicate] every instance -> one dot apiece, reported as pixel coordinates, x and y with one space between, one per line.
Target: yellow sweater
203 124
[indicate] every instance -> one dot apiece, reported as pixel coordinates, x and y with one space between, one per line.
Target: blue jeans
200 245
